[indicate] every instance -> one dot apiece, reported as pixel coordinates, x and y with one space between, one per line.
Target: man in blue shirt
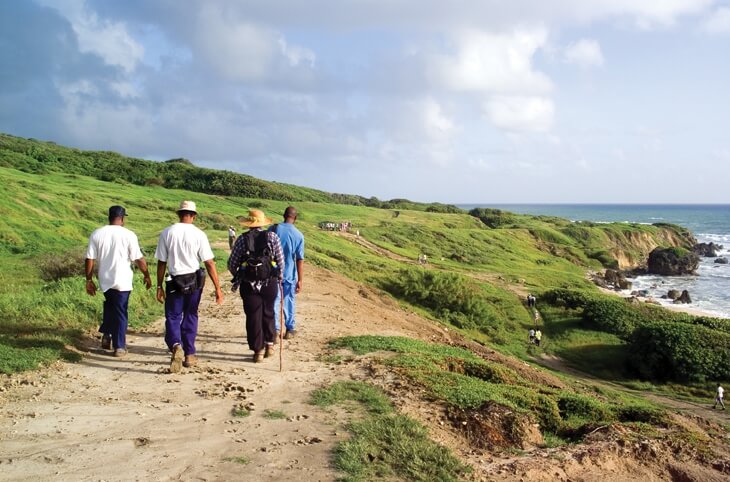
292 243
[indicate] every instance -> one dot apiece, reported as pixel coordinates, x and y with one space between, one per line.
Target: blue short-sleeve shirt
292 244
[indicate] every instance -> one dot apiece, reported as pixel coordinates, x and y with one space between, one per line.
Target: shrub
494 218
612 315
574 405
566 298
450 296
54 267
680 352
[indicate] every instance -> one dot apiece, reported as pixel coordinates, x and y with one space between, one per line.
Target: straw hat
188 206
256 218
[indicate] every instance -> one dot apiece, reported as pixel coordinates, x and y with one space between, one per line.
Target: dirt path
129 419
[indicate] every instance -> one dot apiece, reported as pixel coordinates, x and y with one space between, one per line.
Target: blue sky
468 101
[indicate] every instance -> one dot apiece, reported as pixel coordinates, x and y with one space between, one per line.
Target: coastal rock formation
721 261
672 261
673 294
707 250
683 298
614 279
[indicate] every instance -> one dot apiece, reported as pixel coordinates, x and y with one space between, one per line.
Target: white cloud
718 22
496 63
521 113
584 53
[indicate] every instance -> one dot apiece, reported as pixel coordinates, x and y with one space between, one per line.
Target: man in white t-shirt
114 247
180 250
719 395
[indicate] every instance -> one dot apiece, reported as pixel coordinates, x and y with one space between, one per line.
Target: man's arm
300 275
89 271
213 274
142 265
161 267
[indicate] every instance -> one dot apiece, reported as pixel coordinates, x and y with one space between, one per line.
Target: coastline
681 308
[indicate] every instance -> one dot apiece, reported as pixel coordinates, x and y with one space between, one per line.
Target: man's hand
299 287
90 287
147 280
160 294
219 296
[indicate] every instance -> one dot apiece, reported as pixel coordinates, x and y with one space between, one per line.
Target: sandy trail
129 419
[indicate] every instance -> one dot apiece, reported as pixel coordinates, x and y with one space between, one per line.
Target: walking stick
281 325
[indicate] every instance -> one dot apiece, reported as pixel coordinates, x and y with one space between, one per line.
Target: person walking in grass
538 337
180 250
257 263
292 245
114 247
719 395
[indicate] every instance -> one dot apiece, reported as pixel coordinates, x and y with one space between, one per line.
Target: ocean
709 290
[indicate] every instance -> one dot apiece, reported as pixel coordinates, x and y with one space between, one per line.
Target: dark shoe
177 359
269 351
190 361
258 357
290 334
120 352
106 342
276 337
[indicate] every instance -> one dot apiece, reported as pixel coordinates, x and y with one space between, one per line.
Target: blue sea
709 290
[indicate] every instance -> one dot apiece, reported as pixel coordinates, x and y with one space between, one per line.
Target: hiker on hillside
538 337
531 335
115 247
180 250
257 262
292 245
231 237
719 395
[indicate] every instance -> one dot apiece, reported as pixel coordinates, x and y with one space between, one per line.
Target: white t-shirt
114 247
720 392
183 246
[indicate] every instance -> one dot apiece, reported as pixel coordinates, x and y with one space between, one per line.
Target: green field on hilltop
480 265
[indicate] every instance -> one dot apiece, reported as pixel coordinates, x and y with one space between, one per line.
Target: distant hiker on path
531 301
231 237
538 337
719 395
531 335
292 245
114 247
180 250
257 262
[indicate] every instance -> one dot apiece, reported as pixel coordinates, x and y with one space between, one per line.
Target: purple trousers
115 320
181 319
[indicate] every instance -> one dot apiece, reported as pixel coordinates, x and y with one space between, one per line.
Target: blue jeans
181 319
289 306
115 320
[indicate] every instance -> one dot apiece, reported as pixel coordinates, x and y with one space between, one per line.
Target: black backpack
257 261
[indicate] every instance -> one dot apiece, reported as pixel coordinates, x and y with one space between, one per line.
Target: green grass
240 412
466 382
385 445
274 414
237 460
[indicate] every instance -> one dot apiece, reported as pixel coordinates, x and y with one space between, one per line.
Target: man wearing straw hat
257 262
180 250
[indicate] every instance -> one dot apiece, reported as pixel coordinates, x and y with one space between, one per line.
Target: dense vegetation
30 155
659 344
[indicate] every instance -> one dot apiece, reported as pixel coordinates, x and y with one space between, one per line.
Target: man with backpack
292 244
114 247
180 250
257 263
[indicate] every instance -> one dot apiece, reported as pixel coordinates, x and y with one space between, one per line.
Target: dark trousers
181 319
259 310
115 319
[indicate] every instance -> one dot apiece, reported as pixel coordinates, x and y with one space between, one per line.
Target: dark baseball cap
117 212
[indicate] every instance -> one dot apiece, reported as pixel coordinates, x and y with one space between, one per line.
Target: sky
460 101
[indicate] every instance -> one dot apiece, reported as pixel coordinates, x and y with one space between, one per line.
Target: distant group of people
330 226
266 265
422 259
535 336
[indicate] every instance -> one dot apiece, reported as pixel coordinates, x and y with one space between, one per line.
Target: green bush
494 218
450 296
680 352
566 298
612 315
